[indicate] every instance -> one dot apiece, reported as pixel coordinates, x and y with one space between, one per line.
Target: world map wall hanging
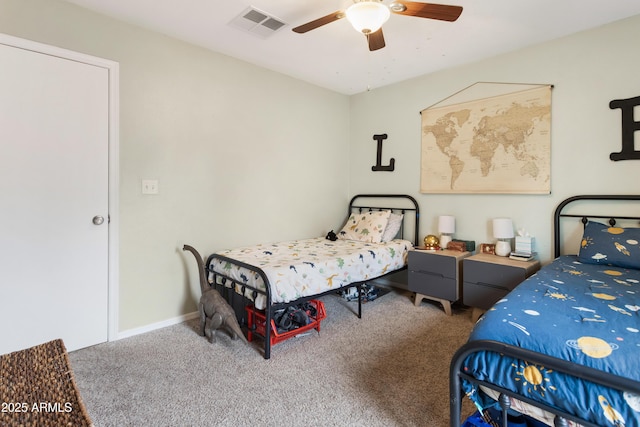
495 144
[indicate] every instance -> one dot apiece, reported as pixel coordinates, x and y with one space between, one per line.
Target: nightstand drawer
505 277
432 264
489 278
433 284
482 295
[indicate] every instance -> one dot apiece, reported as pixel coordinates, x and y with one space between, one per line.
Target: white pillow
393 226
365 227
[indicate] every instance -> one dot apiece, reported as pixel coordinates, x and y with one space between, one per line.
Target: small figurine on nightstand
431 243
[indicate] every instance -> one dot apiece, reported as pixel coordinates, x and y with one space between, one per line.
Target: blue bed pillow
615 246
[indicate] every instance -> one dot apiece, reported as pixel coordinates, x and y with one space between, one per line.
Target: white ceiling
336 57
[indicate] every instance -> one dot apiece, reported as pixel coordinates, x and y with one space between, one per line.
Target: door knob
98 220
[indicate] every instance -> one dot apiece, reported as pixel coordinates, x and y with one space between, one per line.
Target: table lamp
503 231
446 227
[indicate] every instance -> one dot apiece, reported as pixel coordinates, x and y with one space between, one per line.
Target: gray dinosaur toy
215 312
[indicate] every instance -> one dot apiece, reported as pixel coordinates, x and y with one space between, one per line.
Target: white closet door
54 118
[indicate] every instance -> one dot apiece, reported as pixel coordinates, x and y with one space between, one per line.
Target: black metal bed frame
456 373
227 285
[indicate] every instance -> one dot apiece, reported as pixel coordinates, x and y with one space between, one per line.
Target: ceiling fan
367 17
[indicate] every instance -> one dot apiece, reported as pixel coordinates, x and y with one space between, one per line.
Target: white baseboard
157 325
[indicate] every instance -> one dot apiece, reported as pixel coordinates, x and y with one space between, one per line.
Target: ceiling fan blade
441 12
312 25
376 40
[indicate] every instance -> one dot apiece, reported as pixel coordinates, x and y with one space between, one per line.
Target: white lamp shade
367 16
447 224
502 228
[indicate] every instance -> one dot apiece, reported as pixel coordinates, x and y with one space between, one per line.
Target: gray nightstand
488 278
436 275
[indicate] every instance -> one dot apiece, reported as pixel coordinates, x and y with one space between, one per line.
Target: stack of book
522 256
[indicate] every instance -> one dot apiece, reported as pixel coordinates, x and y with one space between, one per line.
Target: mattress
584 313
302 268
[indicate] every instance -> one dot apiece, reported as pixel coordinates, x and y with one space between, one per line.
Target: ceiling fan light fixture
367 16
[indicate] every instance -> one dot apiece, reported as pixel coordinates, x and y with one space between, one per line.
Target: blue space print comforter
585 313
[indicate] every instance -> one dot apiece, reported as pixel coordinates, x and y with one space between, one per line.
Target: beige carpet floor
389 368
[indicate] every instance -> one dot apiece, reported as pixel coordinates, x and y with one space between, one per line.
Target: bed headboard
396 203
612 209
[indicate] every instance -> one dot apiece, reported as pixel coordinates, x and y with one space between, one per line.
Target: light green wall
242 154
588 70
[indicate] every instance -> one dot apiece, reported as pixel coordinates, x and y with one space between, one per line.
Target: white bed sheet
302 268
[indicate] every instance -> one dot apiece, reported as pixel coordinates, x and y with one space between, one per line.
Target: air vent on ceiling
257 22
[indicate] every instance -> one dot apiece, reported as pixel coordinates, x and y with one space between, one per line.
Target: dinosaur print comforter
584 313
302 268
